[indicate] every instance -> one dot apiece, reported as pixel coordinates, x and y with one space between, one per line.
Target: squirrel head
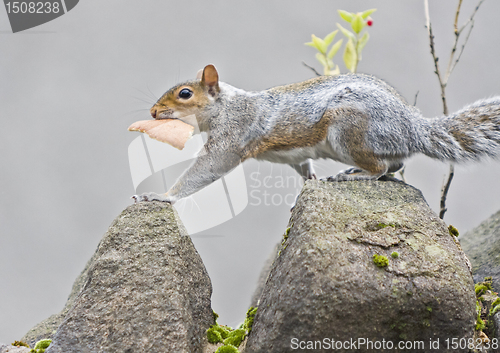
189 98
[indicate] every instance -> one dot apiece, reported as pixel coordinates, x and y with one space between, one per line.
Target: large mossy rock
146 289
325 284
482 246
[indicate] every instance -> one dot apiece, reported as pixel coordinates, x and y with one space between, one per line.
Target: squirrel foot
352 174
150 196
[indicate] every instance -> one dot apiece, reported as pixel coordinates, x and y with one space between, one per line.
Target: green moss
213 335
20 344
480 325
227 349
247 325
41 346
429 309
231 338
235 337
383 225
380 260
495 302
395 255
494 309
286 234
224 331
216 316
481 288
453 231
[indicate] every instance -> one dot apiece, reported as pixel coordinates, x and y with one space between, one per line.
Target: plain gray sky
70 88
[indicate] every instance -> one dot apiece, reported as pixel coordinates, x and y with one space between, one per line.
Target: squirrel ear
199 74
210 77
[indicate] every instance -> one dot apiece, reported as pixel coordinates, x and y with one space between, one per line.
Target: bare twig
444 192
458 32
443 81
456 16
312 68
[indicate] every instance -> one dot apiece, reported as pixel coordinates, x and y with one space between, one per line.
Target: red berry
369 22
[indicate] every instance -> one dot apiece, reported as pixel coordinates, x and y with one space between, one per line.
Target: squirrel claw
150 196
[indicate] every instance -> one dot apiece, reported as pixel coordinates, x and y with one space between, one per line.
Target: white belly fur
300 154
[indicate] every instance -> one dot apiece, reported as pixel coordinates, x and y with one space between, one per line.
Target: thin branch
312 68
451 66
471 18
442 83
456 16
452 63
458 32
415 101
444 192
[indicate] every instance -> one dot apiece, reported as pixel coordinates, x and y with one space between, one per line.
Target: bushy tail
470 134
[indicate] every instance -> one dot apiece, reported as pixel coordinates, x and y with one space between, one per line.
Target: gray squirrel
355 119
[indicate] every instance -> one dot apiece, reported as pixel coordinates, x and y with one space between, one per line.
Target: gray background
70 88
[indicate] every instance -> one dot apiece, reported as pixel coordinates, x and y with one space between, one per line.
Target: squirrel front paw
150 196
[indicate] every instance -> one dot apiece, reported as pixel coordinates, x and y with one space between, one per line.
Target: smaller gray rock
48 327
496 323
482 246
147 289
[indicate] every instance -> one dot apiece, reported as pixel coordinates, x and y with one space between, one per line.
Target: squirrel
355 119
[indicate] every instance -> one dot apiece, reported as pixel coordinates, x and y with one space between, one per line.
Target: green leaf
350 56
367 13
311 44
335 72
321 58
346 16
335 48
329 38
362 42
357 23
347 33
320 44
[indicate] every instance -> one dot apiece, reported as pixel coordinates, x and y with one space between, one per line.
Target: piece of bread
172 131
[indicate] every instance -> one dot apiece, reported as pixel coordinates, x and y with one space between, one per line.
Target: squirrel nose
153 112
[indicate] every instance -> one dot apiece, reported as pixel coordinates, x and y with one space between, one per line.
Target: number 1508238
33 7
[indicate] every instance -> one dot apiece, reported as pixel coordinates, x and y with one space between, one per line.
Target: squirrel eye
185 93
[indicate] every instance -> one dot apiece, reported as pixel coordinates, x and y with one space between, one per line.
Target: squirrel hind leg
395 166
305 169
366 171
353 174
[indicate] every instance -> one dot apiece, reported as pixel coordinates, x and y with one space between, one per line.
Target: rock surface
482 246
146 289
7 348
325 285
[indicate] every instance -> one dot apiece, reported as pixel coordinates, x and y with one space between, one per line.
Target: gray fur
390 130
